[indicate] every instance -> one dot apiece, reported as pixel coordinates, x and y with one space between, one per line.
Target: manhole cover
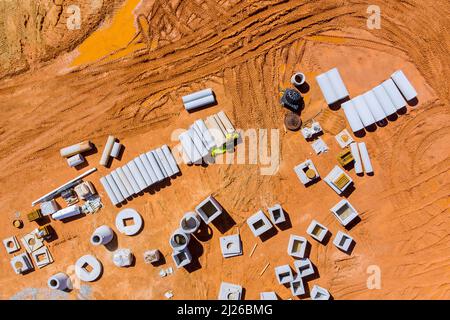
292 121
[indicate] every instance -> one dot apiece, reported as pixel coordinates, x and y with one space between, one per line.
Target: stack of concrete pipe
332 86
202 136
380 102
199 99
140 173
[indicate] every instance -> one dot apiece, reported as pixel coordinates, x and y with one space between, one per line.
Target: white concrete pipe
67 212
197 95
396 97
337 83
102 235
374 106
189 148
131 179
384 100
226 122
327 88
198 143
205 134
363 111
352 116
170 159
75 149
298 79
155 166
355 153
75 160
60 281
404 85
123 190
216 132
160 164
179 240
202 102
149 168
137 175
115 151
190 222
125 181
164 162
115 188
107 151
109 191
365 157
143 171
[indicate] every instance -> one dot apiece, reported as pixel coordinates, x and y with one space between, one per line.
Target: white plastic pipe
131 179
384 100
355 153
137 175
404 85
120 184
60 281
67 212
363 111
164 162
365 157
143 171
125 181
115 151
327 88
205 134
197 95
102 236
396 97
374 106
189 148
170 159
352 116
151 158
109 191
149 168
198 143
75 149
107 150
115 188
337 83
160 164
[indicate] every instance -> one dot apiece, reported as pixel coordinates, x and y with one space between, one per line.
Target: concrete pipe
115 188
338 85
107 151
137 175
170 159
123 190
155 166
75 149
67 212
404 85
384 100
298 79
148 167
140 164
327 88
102 235
60 281
365 157
198 142
205 134
165 163
189 147
179 240
125 181
374 106
396 97
115 151
363 111
109 191
197 95
355 153
131 179
352 116
199 103
190 222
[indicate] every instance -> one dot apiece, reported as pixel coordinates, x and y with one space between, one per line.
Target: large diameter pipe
172 162
123 190
67 212
155 166
327 88
352 116
107 151
143 171
216 132
374 106
205 134
115 188
393 93
355 153
75 149
197 95
131 179
137 175
109 191
149 168
60 281
404 85
202 102
125 181
365 157
337 83
102 235
198 143
160 164
189 147
363 111
164 161
226 122
384 100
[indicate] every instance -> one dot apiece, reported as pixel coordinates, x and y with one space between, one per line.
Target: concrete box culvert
179 240
190 222
102 235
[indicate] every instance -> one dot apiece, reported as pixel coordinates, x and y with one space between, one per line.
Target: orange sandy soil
56 92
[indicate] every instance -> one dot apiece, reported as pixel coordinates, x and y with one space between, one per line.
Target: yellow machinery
345 157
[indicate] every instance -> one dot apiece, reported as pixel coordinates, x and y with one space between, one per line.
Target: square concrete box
276 214
297 246
297 287
306 172
304 267
229 291
182 258
317 231
259 223
42 257
343 241
344 212
31 242
11 244
152 256
21 263
284 274
338 180
319 293
209 209
231 245
268 296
